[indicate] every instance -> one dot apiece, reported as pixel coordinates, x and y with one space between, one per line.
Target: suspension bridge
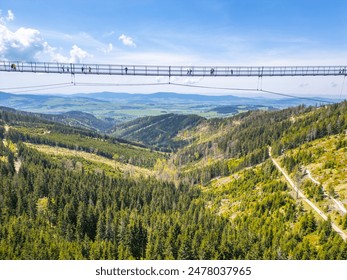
171 71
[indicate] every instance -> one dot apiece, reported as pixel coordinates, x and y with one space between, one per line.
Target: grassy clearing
223 204
123 168
125 153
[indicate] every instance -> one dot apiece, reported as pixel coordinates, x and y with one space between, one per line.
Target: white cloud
7 18
76 54
108 49
127 41
27 44
53 54
23 44
10 15
26 37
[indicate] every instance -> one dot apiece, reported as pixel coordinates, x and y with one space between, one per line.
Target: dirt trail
303 197
337 203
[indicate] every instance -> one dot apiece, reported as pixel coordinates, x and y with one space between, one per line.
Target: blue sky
219 32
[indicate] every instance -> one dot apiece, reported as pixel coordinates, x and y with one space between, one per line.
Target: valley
175 186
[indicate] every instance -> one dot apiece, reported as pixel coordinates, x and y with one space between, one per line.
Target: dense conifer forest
216 196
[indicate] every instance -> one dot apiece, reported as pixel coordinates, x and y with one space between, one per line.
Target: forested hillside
159 131
223 146
217 197
71 118
33 129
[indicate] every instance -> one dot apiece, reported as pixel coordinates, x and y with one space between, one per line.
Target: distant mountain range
193 98
109 108
172 97
19 99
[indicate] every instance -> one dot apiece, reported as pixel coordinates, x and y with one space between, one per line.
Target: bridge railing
145 70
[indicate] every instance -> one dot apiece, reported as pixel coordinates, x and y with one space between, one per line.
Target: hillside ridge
217 196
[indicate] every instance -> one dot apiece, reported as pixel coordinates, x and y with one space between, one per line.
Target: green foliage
53 213
313 191
266 221
98 145
330 164
344 222
331 191
53 208
342 143
308 223
158 131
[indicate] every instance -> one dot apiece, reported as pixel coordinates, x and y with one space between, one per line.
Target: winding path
303 197
338 203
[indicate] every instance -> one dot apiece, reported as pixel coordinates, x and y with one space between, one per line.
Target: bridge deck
142 70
